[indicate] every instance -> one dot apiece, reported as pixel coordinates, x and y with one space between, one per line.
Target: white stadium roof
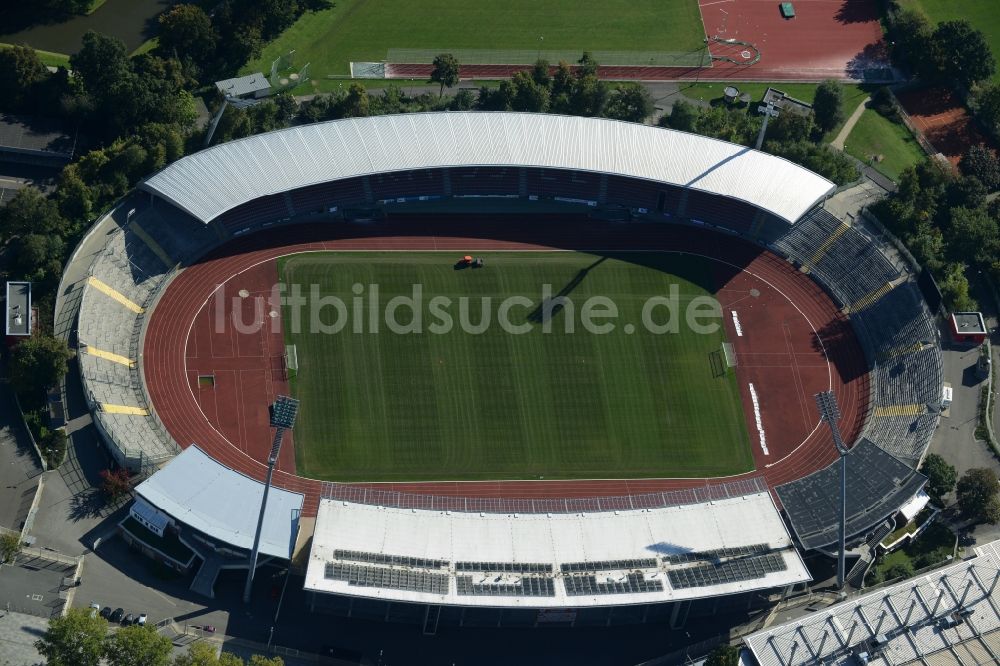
204 494
908 622
213 181
402 549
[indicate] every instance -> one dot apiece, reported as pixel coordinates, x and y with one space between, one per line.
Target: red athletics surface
943 120
826 39
778 309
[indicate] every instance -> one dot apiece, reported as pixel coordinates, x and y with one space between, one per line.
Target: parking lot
36 585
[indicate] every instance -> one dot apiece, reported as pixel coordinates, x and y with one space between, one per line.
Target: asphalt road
19 466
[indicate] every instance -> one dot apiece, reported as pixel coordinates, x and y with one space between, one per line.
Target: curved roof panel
213 181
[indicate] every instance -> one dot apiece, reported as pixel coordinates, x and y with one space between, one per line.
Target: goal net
291 362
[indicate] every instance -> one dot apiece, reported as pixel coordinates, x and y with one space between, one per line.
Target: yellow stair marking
115 294
837 233
871 298
123 409
153 245
899 410
110 356
900 351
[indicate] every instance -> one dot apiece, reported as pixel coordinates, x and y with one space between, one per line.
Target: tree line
82 638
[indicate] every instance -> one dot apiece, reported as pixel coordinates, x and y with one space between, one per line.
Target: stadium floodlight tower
283 413
830 412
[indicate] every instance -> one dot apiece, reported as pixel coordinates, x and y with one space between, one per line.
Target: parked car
141 620
95 608
106 612
117 615
129 619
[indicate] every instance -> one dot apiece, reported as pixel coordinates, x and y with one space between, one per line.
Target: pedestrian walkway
845 131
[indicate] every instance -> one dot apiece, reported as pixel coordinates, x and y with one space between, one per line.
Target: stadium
522 479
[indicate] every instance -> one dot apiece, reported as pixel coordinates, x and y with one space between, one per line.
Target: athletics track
778 308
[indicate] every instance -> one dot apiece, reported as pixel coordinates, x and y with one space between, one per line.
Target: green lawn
854 94
49 58
460 405
876 135
982 14
364 31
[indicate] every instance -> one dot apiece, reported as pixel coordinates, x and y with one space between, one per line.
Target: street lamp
283 413
829 412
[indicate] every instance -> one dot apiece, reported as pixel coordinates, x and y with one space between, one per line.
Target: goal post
291 362
729 354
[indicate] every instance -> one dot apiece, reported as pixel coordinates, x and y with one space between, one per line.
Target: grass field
462 406
982 14
48 58
359 30
876 135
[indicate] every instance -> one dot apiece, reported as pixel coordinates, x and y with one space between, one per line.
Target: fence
392 498
927 146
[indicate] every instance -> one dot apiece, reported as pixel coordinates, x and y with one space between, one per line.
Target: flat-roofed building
520 567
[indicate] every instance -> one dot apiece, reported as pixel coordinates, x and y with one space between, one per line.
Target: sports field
457 404
362 30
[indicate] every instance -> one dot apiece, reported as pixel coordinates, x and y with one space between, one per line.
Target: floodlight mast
830 412
283 413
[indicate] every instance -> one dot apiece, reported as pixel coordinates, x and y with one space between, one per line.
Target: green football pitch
488 401
362 30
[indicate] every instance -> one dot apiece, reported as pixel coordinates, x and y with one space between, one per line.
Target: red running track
790 329
826 39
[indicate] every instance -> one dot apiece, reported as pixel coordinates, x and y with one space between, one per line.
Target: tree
986 104
683 116
115 483
991 511
724 655
186 32
973 234
101 63
527 94
356 104
828 105
77 639
261 660
962 53
20 71
37 363
911 38
586 65
446 71
631 102
954 288
981 162
790 127
901 569
589 96
975 492
940 476
137 645
30 211
203 654
10 546
540 73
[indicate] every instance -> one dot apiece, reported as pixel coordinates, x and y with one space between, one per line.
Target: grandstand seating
255 213
550 183
734 215
139 252
633 193
320 198
406 184
877 485
484 181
